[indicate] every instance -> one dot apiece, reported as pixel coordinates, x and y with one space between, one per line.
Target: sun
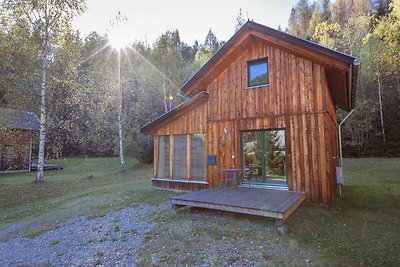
119 37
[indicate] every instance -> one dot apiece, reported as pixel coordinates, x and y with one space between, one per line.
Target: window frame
204 168
182 161
255 62
167 175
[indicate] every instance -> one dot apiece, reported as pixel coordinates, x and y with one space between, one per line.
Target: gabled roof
341 69
196 100
18 119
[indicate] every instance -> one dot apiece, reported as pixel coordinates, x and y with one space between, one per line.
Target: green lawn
84 187
363 229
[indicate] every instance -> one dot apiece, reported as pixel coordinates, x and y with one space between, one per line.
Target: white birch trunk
381 108
120 138
165 97
120 135
42 129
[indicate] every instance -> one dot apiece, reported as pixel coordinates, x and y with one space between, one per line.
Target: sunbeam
154 67
95 53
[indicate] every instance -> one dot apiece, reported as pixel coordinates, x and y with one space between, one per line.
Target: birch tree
47 19
120 135
118 25
375 66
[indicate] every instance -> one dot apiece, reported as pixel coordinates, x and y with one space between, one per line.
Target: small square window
258 72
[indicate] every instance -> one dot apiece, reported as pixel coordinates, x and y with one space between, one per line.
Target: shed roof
341 69
18 119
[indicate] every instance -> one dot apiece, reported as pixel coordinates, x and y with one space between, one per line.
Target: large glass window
198 157
163 157
258 72
264 157
197 153
180 157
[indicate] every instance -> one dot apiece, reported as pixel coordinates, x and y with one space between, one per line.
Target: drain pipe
339 170
340 136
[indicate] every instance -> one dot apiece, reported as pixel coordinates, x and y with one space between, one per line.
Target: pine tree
240 20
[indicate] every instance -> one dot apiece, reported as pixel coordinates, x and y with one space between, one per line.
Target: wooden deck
47 167
278 204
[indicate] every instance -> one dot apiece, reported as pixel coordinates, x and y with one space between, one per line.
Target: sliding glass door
264 158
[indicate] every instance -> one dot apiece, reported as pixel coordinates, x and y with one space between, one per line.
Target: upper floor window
258 72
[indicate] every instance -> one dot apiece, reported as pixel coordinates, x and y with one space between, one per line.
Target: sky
148 19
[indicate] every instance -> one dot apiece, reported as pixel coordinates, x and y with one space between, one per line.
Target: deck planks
279 204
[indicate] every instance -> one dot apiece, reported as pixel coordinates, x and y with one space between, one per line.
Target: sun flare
119 37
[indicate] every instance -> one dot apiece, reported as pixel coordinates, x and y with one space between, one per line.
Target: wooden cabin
16 129
265 103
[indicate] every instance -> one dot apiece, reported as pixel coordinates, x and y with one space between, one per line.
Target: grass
364 227
85 187
362 230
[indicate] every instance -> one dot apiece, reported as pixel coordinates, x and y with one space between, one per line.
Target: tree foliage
240 20
46 20
369 30
82 82
82 85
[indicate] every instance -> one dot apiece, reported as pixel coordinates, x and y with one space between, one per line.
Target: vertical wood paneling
224 100
301 91
323 158
278 99
314 159
272 82
295 85
237 78
308 82
297 100
245 93
306 155
285 84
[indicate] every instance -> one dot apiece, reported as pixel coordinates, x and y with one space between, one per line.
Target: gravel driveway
111 240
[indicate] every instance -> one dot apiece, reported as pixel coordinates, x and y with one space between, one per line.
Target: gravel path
111 240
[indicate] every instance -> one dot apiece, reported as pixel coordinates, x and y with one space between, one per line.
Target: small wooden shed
265 103
16 128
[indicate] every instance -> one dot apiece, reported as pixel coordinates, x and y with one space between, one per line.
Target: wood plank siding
305 84
15 149
297 99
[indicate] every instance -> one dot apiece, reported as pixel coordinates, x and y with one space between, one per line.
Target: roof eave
146 129
188 84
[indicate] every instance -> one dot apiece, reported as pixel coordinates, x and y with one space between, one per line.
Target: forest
85 76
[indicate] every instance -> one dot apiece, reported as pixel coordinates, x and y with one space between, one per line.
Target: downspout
339 170
340 136
352 81
352 75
